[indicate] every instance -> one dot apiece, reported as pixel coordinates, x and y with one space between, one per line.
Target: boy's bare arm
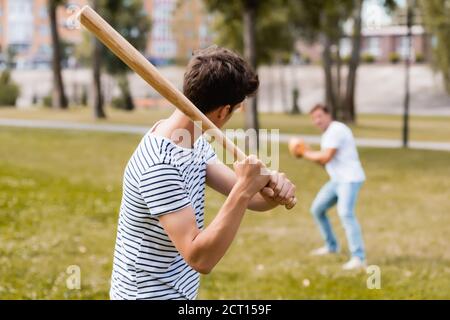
202 250
280 190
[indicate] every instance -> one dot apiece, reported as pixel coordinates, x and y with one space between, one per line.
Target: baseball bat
93 22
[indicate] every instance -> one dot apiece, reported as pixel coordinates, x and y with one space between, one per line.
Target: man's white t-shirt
345 165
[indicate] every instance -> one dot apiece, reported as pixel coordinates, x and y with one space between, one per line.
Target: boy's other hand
279 189
250 175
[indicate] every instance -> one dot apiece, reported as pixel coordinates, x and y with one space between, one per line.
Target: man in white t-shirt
340 157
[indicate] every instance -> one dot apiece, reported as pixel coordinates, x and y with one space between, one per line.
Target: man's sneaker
355 263
323 251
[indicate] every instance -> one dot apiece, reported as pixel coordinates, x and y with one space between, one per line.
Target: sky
374 15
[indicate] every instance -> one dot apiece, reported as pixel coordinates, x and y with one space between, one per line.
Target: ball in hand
297 147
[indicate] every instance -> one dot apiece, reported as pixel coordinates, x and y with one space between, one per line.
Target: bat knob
291 204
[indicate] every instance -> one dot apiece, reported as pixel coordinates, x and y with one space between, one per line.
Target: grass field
59 200
423 128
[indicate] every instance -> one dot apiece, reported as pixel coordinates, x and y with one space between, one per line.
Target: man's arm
321 157
279 191
202 250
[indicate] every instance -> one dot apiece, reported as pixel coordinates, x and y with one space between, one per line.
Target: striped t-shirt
161 177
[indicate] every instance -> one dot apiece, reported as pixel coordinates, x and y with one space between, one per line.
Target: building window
19 48
373 46
45 49
44 30
345 47
434 42
403 47
43 12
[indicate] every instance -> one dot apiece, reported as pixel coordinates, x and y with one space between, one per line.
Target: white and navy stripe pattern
160 178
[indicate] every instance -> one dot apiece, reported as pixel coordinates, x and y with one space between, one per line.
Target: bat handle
292 201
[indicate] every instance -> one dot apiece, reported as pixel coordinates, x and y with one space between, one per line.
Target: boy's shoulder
154 150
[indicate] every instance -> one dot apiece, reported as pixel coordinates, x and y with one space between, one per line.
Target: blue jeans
345 195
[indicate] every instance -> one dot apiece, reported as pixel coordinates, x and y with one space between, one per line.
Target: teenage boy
162 245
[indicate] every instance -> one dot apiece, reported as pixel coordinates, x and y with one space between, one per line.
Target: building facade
192 29
385 43
381 45
161 47
25 31
178 28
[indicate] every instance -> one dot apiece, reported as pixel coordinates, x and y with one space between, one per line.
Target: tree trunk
251 110
59 99
124 87
284 97
327 68
98 100
338 94
350 108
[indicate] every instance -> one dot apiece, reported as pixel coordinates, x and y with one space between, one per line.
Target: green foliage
84 96
368 58
9 90
129 19
274 33
10 57
313 18
346 59
118 102
420 58
306 59
47 101
437 21
394 58
83 51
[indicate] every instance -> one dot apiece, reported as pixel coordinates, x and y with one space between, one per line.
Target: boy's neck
176 123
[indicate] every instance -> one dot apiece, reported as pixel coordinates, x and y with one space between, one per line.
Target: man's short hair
218 77
319 106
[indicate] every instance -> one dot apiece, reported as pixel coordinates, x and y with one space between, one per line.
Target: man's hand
298 147
279 189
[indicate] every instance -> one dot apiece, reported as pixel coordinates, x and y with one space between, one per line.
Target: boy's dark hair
319 106
218 77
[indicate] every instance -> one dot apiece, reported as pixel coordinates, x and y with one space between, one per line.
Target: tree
437 21
257 29
324 20
10 57
98 101
129 19
59 99
249 22
349 110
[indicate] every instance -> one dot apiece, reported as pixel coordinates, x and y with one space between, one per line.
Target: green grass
60 193
422 128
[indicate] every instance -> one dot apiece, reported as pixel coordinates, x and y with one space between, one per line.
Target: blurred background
71 114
